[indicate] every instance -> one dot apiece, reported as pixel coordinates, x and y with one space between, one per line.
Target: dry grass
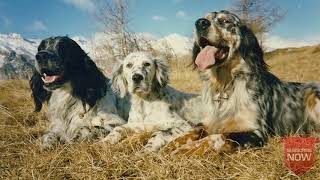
20 130
296 64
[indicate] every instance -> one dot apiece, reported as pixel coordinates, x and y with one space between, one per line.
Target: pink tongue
206 57
50 78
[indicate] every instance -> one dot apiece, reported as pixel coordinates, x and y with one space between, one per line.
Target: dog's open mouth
49 79
210 54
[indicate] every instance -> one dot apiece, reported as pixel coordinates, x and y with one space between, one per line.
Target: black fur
282 107
39 94
87 82
246 139
251 51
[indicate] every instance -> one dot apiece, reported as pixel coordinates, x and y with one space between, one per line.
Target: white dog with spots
155 106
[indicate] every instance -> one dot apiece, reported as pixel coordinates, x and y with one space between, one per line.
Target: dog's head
140 74
217 37
54 58
221 37
62 64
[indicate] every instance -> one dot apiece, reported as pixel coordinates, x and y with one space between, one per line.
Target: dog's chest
151 115
222 105
65 110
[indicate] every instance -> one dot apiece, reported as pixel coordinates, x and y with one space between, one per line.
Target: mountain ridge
17 53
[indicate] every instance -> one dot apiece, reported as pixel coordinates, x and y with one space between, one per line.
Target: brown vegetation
20 129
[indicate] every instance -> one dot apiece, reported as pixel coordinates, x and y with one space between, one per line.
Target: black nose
202 24
42 55
137 78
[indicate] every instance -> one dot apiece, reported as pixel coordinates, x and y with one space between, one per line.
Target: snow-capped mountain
16 56
14 42
17 53
179 44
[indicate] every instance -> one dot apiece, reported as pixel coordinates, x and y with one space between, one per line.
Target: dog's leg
196 133
54 135
103 124
49 140
312 101
107 120
161 138
200 147
117 134
157 140
90 134
228 142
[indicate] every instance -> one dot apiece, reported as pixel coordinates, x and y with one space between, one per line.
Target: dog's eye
226 21
129 65
146 64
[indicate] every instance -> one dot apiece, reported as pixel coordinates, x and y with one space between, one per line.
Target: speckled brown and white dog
81 104
155 106
245 103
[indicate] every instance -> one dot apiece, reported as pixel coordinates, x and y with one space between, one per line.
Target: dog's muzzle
202 24
44 55
137 78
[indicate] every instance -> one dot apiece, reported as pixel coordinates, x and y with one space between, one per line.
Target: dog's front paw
145 150
215 142
98 133
49 141
150 148
199 147
193 135
111 139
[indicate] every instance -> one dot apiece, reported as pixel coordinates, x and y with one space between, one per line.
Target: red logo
299 153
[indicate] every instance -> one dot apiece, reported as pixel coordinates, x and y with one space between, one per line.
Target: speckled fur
69 122
156 107
82 105
245 102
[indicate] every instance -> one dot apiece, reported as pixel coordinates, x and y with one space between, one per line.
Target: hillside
20 130
296 64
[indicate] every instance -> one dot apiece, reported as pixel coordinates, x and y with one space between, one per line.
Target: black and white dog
155 106
81 104
245 103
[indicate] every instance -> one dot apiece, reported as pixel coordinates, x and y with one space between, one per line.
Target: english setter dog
155 106
245 103
81 104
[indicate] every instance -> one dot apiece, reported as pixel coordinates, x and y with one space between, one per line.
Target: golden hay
20 129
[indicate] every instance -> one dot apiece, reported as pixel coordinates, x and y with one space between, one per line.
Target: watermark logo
299 153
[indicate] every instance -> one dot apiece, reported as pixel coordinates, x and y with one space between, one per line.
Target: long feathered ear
162 72
39 94
118 82
88 82
251 51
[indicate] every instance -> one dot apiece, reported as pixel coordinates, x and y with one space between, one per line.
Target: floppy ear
39 94
118 82
162 72
95 83
88 83
195 51
251 51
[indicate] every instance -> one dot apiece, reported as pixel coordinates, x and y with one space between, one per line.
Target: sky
43 18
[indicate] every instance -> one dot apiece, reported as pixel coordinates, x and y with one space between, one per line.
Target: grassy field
20 129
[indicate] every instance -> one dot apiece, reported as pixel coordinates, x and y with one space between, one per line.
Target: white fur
154 107
70 122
